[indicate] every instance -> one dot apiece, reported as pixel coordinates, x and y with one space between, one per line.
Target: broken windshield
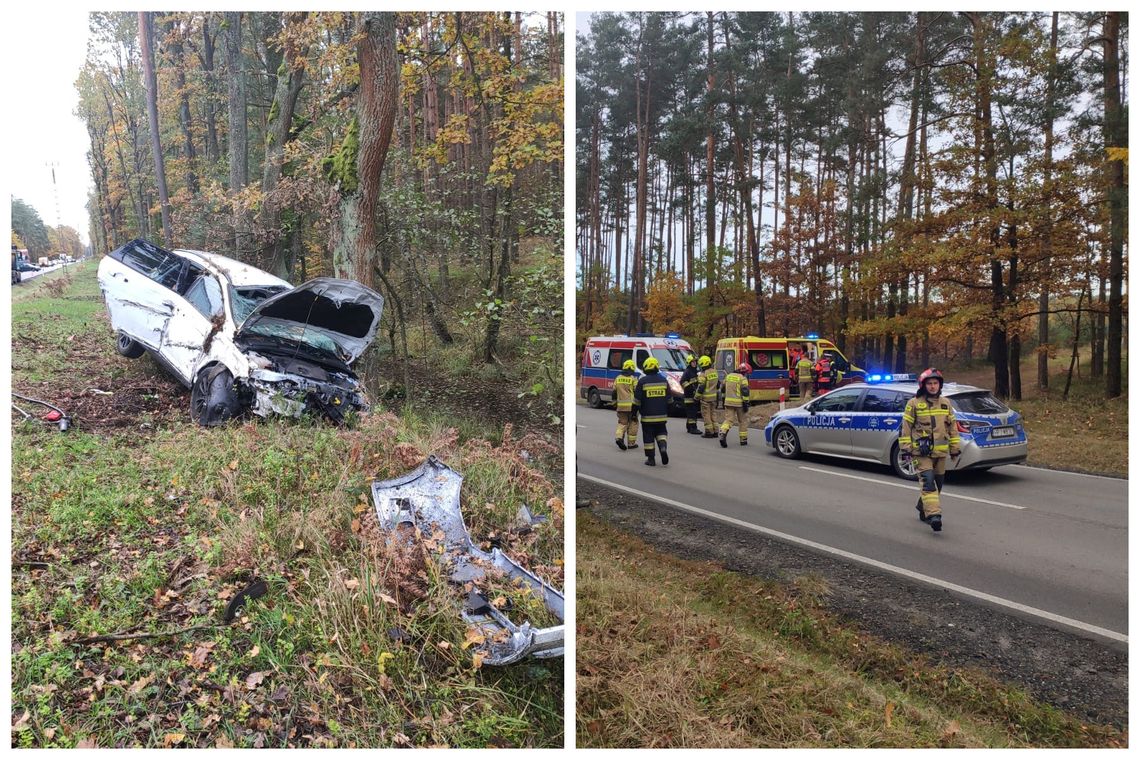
244 300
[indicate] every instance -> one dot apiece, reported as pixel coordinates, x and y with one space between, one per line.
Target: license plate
1002 432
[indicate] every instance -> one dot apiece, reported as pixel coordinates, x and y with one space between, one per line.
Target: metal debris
428 499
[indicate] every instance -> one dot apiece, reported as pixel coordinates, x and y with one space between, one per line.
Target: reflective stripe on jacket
735 390
651 395
803 370
623 390
930 416
707 386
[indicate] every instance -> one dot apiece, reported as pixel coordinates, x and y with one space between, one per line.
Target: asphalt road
1047 544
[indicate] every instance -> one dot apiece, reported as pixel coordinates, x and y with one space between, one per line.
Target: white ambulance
604 355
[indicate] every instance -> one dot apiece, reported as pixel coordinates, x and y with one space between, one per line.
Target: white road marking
920 577
910 486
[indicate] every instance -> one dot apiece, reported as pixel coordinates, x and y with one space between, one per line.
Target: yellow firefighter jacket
804 370
623 390
934 417
736 391
707 385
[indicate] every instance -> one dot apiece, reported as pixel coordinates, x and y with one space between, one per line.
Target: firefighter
736 397
931 435
823 374
627 416
689 379
803 376
651 400
707 393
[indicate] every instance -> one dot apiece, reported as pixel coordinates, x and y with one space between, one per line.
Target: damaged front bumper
429 496
292 396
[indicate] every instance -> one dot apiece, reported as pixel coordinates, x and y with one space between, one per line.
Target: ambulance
604 355
770 359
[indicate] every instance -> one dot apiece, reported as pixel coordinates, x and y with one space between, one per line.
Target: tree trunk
238 135
710 167
1047 233
355 251
1115 139
146 42
212 151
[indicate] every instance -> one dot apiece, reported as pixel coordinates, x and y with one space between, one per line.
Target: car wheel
129 347
903 464
594 399
213 399
787 443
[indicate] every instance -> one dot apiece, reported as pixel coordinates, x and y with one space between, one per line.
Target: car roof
240 273
950 389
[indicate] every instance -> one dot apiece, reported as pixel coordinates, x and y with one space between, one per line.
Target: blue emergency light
813 336
874 378
672 335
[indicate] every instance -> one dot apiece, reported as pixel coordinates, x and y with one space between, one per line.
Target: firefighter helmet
689 359
927 374
649 364
628 364
744 368
704 362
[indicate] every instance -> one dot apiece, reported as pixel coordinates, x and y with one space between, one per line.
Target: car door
877 422
828 426
190 323
139 306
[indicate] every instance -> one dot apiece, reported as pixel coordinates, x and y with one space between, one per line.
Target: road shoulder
1082 676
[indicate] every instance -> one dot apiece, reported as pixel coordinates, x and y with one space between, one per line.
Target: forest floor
137 522
693 633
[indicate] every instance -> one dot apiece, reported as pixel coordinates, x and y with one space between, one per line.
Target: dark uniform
689 379
651 399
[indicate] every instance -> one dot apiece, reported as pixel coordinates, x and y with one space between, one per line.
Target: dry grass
674 653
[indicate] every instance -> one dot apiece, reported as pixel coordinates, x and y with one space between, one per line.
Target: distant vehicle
770 359
240 338
605 354
862 421
24 266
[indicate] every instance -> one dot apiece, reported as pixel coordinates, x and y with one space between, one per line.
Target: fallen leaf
87 743
351 584
139 685
389 600
223 742
477 660
49 733
199 656
712 642
499 602
233 464
171 739
254 679
473 637
382 661
443 645
951 730
253 652
355 525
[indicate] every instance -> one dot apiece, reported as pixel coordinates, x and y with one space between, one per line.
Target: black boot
649 460
936 523
921 515
708 434
743 441
723 440
632 446
620 443
663 447
691 428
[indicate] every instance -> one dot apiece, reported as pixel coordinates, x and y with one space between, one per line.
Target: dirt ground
1082 676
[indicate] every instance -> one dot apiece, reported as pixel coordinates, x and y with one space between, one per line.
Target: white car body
200 313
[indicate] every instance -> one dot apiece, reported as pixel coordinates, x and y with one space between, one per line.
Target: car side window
618 357
838 401
642 355
143 259
168 271
883 401
205 296
726 360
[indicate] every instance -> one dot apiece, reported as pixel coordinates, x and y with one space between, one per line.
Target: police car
863 420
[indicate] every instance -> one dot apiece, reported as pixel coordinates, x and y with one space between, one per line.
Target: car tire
213 399
129 347
786 442
594 399
903 464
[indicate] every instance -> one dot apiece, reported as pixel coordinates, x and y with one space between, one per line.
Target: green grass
149 529
673 653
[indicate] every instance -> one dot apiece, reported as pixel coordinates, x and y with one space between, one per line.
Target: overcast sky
44 51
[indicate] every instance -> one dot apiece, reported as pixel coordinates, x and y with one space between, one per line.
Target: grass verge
150 525
673 653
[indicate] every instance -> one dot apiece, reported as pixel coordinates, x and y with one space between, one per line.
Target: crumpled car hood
342 311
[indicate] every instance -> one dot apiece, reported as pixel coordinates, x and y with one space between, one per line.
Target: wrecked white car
426 500
240 338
